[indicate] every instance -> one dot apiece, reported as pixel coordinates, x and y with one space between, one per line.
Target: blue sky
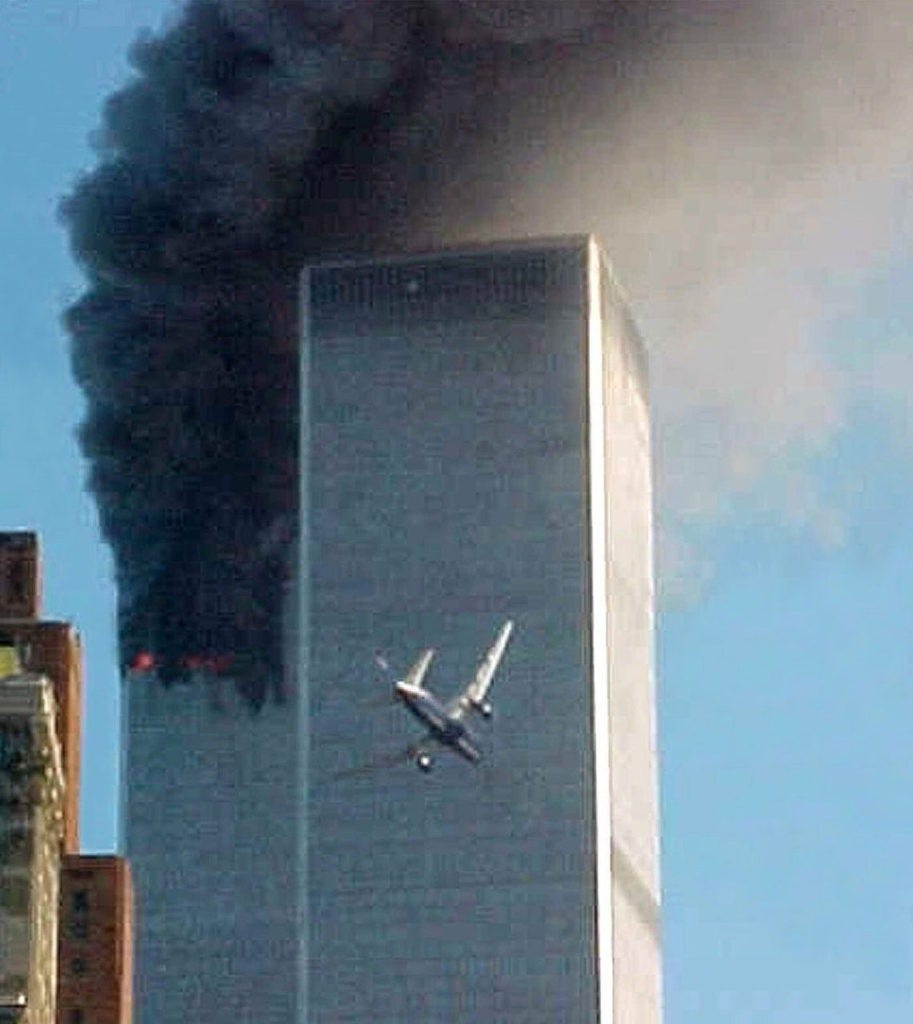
786 680
58 61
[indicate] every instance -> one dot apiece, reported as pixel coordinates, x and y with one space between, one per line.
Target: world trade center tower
475 450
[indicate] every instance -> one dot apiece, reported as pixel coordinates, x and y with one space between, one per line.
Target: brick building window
78 965
78 924
17 580
76 1016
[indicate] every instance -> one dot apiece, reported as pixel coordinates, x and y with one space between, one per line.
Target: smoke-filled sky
747 166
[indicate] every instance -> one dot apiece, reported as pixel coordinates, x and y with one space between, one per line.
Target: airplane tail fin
416 674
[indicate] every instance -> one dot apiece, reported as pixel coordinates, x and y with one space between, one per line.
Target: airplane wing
417 673
474 694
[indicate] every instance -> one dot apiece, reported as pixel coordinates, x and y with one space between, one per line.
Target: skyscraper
475 448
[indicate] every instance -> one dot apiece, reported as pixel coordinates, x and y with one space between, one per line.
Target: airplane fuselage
444 727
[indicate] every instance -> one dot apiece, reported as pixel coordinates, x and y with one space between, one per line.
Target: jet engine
485 709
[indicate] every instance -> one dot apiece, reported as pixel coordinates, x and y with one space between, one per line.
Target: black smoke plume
248 142
254 136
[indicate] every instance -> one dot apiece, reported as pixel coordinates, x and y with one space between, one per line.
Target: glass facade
450 486
475 449
212 819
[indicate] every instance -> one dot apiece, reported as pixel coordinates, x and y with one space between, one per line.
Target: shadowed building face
476 448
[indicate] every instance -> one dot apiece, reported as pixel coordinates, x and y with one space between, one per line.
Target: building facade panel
31 790
53 649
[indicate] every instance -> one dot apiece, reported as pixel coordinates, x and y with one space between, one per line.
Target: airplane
446 722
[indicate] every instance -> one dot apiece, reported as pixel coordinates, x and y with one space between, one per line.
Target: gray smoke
714 146
748 167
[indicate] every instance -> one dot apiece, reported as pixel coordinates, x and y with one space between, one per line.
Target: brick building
94 919
95 950
47 648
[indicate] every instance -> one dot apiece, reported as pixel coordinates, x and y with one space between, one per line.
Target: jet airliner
446 722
